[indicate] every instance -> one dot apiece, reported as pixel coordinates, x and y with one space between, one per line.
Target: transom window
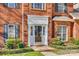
38 5
60 7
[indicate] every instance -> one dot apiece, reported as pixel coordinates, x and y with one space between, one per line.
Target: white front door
38 35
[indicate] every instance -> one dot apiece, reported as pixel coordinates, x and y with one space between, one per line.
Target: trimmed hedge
15 51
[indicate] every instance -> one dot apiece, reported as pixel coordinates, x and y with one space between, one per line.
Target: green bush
10 43
73 43
56 41
17 41
20 45
76 42
13 43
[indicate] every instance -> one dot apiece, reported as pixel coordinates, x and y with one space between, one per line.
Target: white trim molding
34 20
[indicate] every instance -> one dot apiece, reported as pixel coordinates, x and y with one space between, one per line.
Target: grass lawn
66 51
60 50
20 52
25 54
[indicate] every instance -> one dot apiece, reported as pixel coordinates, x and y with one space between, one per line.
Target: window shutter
56 7
6 4
5 32
65 7
16 31
17 5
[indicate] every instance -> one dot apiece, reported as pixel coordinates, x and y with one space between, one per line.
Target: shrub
71 39
13 43
17 41
20 45
76 42
10 43
56 41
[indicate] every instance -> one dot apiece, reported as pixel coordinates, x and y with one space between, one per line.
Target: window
61 32
12 5
38 5
61 7
11 31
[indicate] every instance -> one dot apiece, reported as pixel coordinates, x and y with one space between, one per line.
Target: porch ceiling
62 18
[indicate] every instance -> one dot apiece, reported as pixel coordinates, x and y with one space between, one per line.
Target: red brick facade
14 16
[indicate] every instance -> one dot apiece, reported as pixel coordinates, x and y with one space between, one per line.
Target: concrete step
42 48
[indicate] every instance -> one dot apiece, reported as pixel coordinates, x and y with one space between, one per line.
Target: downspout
22 22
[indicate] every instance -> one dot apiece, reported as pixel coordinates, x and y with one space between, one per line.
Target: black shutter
56 7
5 32
17 5
65 4
16 31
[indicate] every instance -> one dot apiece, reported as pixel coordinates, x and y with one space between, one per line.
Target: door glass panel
38 32
44 30
31 30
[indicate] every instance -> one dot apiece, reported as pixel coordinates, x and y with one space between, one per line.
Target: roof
75 15
62 18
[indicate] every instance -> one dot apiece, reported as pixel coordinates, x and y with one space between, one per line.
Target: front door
38 35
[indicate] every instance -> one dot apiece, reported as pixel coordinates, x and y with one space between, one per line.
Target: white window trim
66 31
13 6
38 8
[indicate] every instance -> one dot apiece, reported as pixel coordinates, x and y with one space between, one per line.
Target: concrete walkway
45 50
49 54
75 54
48 51
42 48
